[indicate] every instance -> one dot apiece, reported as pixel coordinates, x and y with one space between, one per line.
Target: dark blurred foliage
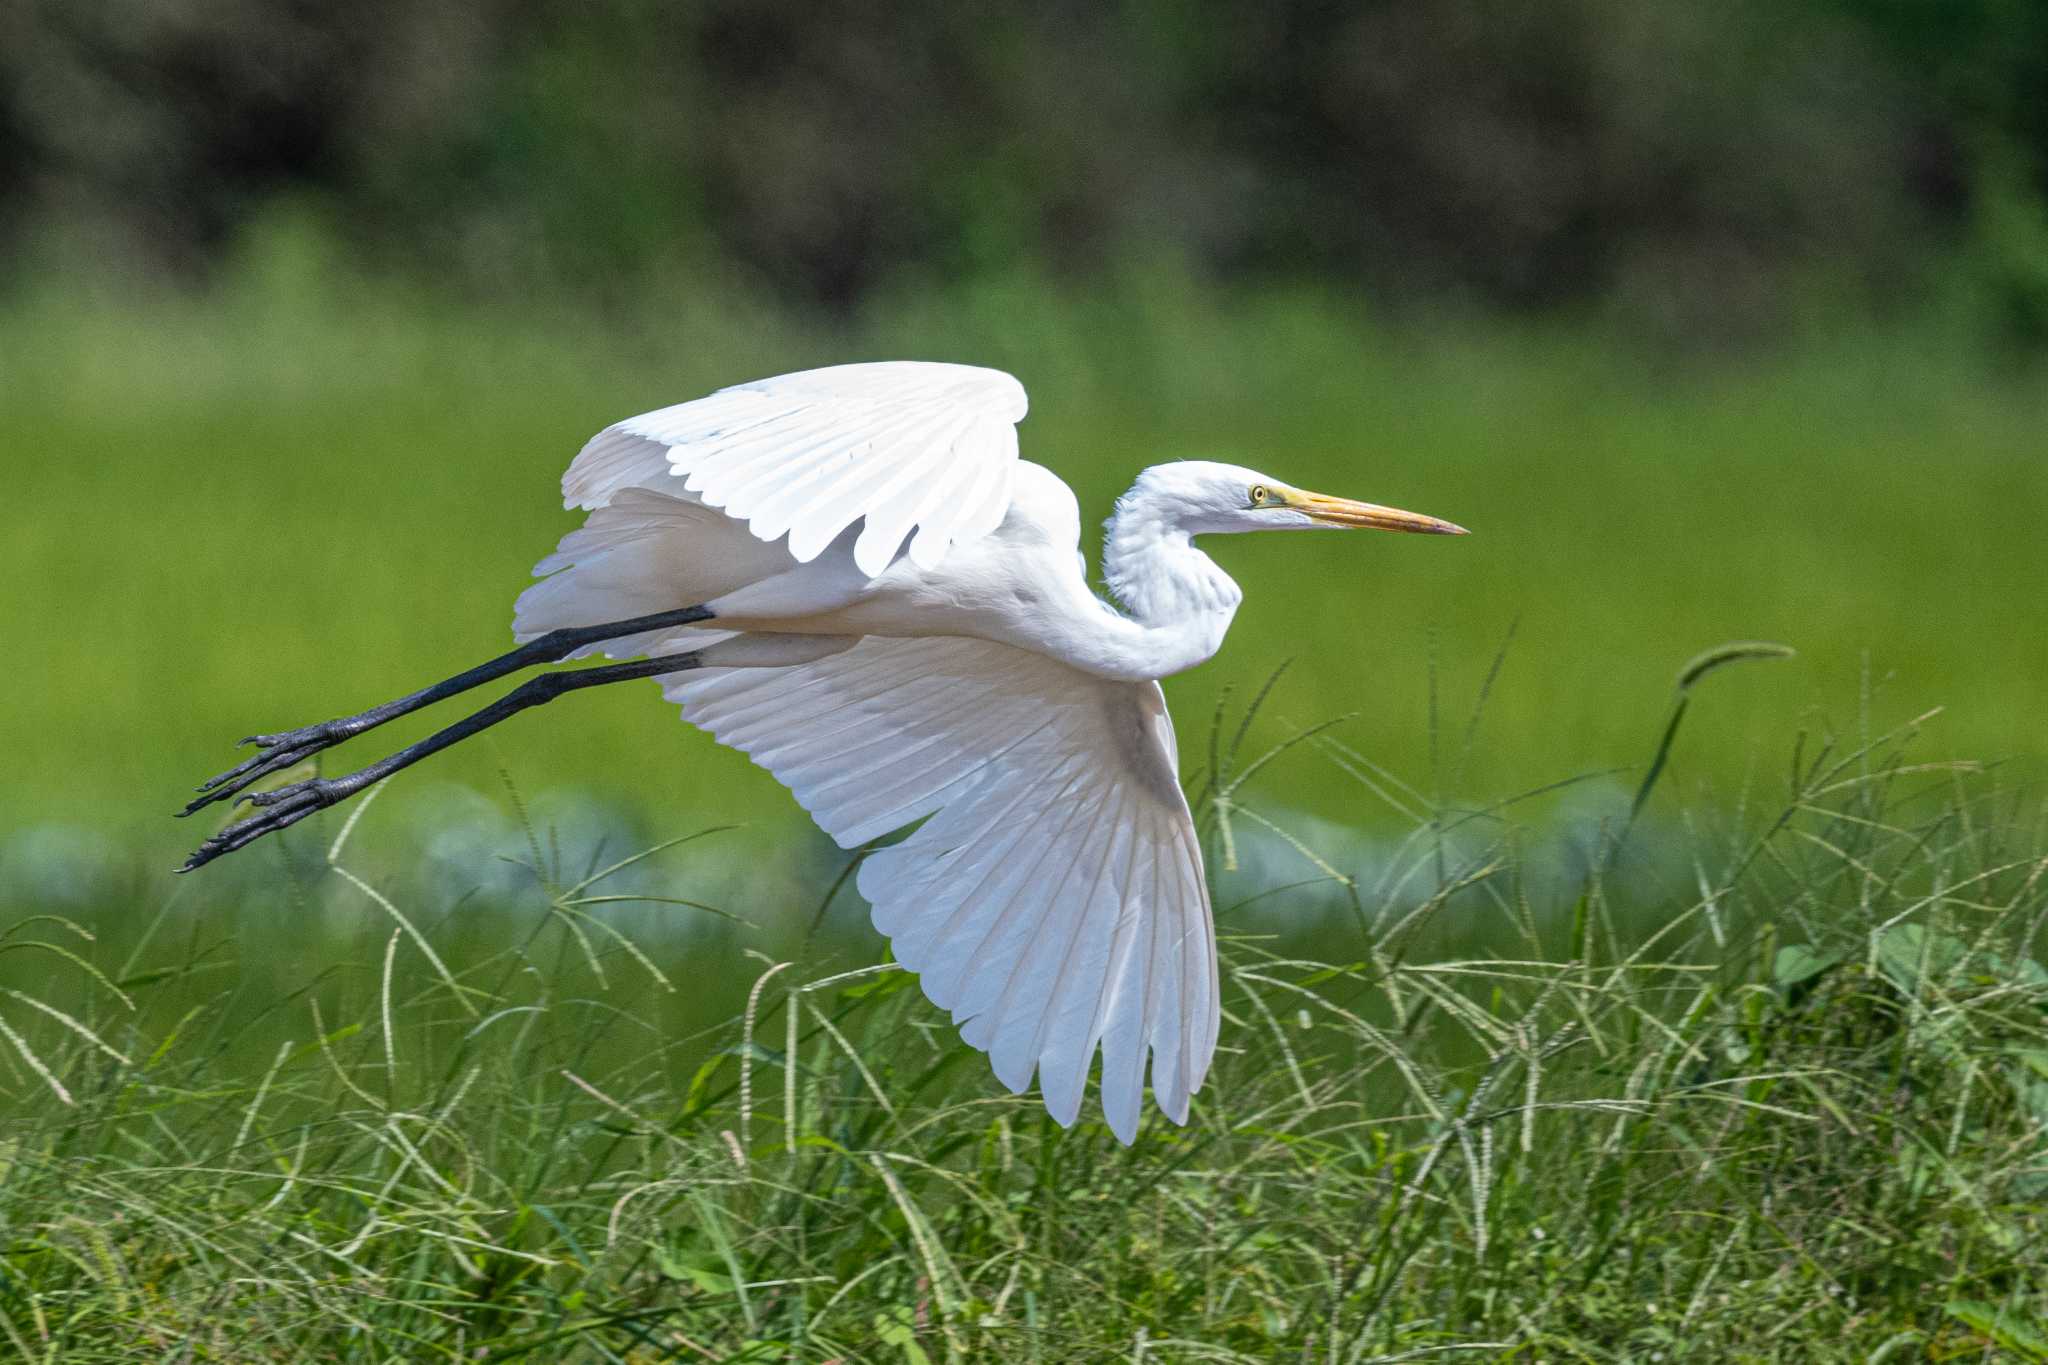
1691 164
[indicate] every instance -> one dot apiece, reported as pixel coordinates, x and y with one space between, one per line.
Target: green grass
302 493
1758 1071
1775 1088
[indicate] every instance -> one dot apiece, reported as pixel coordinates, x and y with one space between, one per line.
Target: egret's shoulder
1042 498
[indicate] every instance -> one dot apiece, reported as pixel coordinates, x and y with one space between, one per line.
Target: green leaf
2007 1328
305 1050
1797 963
2030 1080
893 1328
876 987
149 978
1735 651
1911 955
703 1269
1327 974
699 1092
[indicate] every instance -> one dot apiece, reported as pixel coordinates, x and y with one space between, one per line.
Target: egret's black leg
288 747
289 804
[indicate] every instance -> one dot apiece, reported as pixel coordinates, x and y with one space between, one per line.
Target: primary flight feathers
1054 900
901 443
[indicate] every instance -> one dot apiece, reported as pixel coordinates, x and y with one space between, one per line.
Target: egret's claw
276 752
281 808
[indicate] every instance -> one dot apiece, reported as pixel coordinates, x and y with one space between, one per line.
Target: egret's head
1205 497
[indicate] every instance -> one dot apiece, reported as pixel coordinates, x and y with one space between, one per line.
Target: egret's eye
1260 495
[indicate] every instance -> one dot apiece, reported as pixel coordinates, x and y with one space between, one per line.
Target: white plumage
898 443
849 575
1053 901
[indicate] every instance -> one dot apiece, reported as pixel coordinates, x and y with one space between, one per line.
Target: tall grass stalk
1788 1101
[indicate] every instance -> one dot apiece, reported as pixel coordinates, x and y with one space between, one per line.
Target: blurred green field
1760 1073
291 497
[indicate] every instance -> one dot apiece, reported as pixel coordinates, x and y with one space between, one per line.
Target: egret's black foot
274 754
281 809
287 748
287 805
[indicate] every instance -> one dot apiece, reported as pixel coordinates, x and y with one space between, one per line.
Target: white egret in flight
849 575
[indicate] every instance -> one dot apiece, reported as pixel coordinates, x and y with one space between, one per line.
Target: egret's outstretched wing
906 444
1054 900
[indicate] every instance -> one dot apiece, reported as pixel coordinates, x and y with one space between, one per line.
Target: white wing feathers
905 444
1054 900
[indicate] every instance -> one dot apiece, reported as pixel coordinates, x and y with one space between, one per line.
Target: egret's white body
850 576
902 629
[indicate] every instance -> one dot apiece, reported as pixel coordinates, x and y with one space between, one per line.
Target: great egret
849 575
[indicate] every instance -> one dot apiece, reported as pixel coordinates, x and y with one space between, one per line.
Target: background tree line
1702 169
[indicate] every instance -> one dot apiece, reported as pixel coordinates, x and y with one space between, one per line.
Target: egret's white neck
1177 597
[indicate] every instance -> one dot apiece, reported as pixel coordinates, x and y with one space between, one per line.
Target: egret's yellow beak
1344 512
